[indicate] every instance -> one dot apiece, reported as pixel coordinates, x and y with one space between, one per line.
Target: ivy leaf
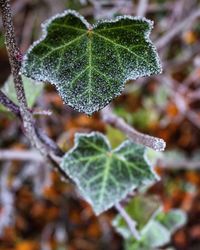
172 220
105 176
154 225
32 91
157 233
89 64
141 209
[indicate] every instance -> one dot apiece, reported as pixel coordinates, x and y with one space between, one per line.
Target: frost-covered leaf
141 209
173 220
154 225
32 91
105 176
156 229
155 234
89 64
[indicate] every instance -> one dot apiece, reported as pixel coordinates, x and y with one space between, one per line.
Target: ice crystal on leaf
105 176
89 64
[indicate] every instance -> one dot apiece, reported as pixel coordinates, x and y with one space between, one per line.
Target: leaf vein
122 46
62 46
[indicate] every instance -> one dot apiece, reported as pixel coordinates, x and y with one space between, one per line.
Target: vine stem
36 136
54 153
15 63
50 144
155 143
9 104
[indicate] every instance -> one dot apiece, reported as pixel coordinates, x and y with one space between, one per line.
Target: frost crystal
159 144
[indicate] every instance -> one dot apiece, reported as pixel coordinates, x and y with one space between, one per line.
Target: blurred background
38 211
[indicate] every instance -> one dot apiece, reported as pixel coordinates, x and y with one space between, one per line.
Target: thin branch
178 165
142 7
130 222
42 112
14 54
161 42
26 155
36 136
17 7
49 143
23 155
4 100
54 151
140 138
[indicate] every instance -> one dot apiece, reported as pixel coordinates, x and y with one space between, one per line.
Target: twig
14 54
130 222
17 7
40 133
24 155
142 7
36 136
178 165
50 144
54 151
161 42
9 104
140 138
42 112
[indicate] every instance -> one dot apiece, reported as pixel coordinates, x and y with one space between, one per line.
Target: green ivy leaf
105 176
32 91
154 225
89 64
141 208
154 235
158 230
172 220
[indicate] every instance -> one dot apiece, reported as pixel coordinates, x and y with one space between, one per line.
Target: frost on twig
5 101
15 64
149 141
24 155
